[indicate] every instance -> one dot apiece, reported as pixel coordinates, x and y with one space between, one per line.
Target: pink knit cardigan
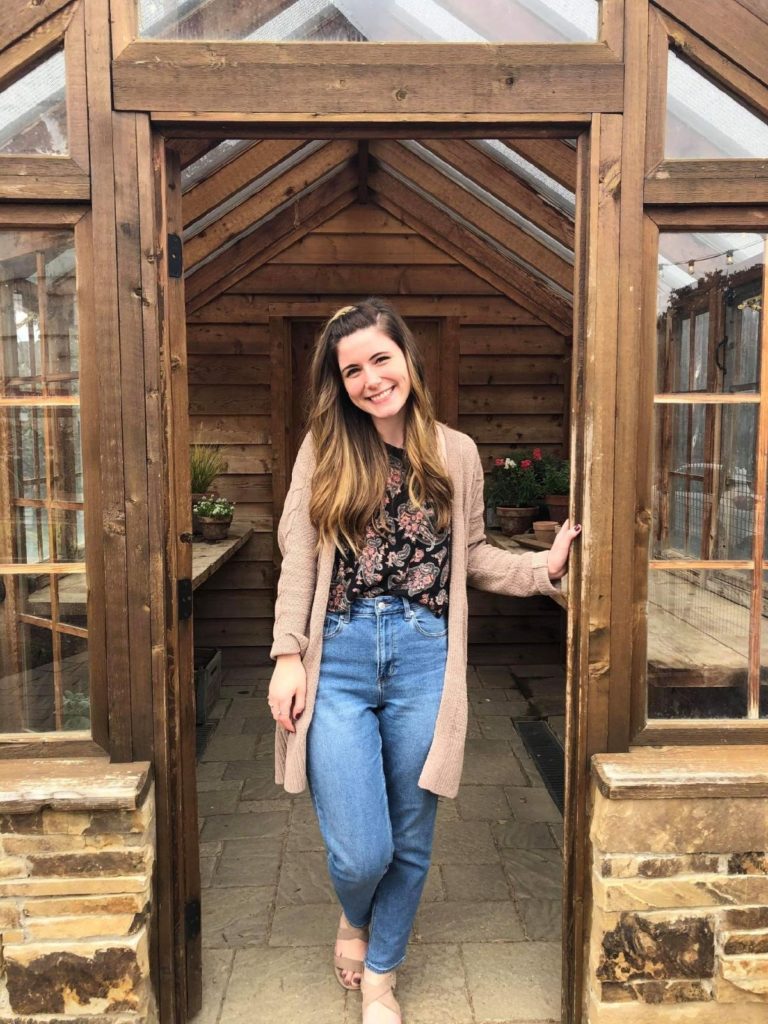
302 596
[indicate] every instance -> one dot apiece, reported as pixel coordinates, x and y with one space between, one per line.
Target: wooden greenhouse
568 202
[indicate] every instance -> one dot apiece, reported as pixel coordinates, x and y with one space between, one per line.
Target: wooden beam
474 210
190 150
258 159
727 26
504 184
281 231
331 156
227 125
396 78
692 48
59 179
21 17
710 218
15 59
716 182
554 157
443 231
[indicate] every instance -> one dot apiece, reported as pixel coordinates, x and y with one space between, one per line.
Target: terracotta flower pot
558 506
546 529
515 520
214 529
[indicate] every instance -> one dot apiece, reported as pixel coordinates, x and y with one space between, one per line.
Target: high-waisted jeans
381 679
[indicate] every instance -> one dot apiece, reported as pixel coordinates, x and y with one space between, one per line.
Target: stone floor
486 942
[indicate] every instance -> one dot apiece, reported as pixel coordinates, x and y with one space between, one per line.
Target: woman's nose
371 376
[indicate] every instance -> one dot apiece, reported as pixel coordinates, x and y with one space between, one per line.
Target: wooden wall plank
368 276
354 249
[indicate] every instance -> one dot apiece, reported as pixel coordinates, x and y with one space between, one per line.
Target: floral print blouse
411 559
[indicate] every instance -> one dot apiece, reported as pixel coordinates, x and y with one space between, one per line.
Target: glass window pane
44 682
704 478
698 643
38 314
709 311
33 110
705 121
359 20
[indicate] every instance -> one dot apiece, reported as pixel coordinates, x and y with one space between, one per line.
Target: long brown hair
350 479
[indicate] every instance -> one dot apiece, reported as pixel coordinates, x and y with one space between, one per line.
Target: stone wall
75 892
679 888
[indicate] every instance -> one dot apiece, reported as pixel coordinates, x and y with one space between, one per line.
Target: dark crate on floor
207 681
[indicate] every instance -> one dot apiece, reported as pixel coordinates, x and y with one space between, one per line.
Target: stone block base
679 887
77 848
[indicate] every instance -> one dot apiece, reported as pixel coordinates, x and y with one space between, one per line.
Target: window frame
41 176
94 742
654 731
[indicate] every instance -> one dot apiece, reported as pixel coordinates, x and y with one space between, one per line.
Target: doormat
544 747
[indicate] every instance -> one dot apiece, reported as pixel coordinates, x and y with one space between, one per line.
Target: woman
382 530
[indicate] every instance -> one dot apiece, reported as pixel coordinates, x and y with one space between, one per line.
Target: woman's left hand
557 560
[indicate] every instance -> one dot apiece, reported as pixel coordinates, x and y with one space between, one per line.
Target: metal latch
185 599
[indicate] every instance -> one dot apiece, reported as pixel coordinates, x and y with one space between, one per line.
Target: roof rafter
552 156
475 211
508 188
15 59
20 18
224 230
238 172
471 252
190 150
304 214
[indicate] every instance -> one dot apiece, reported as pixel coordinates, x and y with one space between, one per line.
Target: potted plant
205 463
514 490
556 484
215 516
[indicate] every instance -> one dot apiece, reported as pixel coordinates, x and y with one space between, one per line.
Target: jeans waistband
371 607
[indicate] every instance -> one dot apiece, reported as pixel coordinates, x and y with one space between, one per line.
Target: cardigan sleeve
491 568
296 538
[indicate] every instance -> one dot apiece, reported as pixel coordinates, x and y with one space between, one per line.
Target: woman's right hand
288 690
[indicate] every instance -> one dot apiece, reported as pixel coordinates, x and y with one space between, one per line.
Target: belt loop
407 610
346 613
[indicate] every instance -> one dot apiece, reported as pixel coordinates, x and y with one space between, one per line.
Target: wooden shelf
207 558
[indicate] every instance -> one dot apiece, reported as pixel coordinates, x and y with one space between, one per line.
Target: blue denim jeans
381 679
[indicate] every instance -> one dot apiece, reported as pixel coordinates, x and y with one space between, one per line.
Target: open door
178 876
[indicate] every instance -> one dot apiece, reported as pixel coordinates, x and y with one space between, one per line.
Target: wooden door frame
595 312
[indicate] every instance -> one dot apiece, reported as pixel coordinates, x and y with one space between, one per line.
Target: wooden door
179 928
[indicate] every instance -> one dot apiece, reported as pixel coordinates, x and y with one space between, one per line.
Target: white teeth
381 395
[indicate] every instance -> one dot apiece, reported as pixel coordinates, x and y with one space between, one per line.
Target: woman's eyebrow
356 366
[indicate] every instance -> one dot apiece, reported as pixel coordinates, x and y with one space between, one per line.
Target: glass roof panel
33 110
360 20
686 257
704 121
211 161
547 187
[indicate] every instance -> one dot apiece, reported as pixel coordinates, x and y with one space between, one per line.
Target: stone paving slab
229 748
522 835
482 803
464 842
236 917
530 804
475 882
516 981
218 801
248 862
536 873
468 921
304 879
217 967
542 919
240 826
309 925
285 986
431 988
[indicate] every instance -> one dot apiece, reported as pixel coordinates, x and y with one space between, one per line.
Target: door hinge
185 599
175 261
192 918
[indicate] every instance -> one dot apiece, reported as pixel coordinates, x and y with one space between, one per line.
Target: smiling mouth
381 395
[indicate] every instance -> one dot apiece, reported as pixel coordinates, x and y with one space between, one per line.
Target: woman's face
375 375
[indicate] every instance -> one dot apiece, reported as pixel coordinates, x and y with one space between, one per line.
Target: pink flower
526 464
537 453
498 462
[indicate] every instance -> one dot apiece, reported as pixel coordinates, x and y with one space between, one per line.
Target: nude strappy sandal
381 991
345 963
